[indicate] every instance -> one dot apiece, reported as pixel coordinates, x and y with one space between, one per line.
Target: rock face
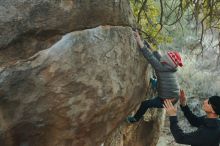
144 133
69 89
27 26
77 91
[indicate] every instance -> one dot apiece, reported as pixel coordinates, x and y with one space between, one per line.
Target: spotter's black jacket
207 134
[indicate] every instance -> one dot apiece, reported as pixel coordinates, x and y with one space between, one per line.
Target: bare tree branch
141 9
180 10
205 13
161 15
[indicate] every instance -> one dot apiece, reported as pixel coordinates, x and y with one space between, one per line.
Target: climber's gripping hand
140 43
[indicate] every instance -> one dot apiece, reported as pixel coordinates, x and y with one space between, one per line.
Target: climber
208 132
165 69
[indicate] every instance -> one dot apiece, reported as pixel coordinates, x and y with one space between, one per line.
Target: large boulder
74 93
70 73
27 26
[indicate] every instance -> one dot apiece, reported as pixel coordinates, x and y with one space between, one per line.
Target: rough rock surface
77 91
144 133
27 26
70 73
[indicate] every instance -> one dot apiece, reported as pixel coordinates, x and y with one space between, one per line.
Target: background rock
143 133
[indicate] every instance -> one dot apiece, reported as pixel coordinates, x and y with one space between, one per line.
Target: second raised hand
182 98
170 109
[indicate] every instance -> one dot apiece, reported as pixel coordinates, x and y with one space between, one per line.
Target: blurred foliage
163 21
198 77
148 21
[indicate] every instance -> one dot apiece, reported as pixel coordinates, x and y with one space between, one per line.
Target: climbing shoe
131 119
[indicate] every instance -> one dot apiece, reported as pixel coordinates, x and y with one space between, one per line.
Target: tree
155 16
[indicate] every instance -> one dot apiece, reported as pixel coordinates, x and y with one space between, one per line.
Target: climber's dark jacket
207 134
167 85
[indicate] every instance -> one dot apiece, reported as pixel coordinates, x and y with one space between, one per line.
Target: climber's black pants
151 103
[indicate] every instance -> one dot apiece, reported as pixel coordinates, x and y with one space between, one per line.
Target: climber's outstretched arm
148 54
193 119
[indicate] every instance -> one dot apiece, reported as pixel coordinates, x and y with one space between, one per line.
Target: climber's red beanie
172 58
176 58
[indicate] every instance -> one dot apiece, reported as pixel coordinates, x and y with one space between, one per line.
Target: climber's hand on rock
138 39
182 98
170 109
